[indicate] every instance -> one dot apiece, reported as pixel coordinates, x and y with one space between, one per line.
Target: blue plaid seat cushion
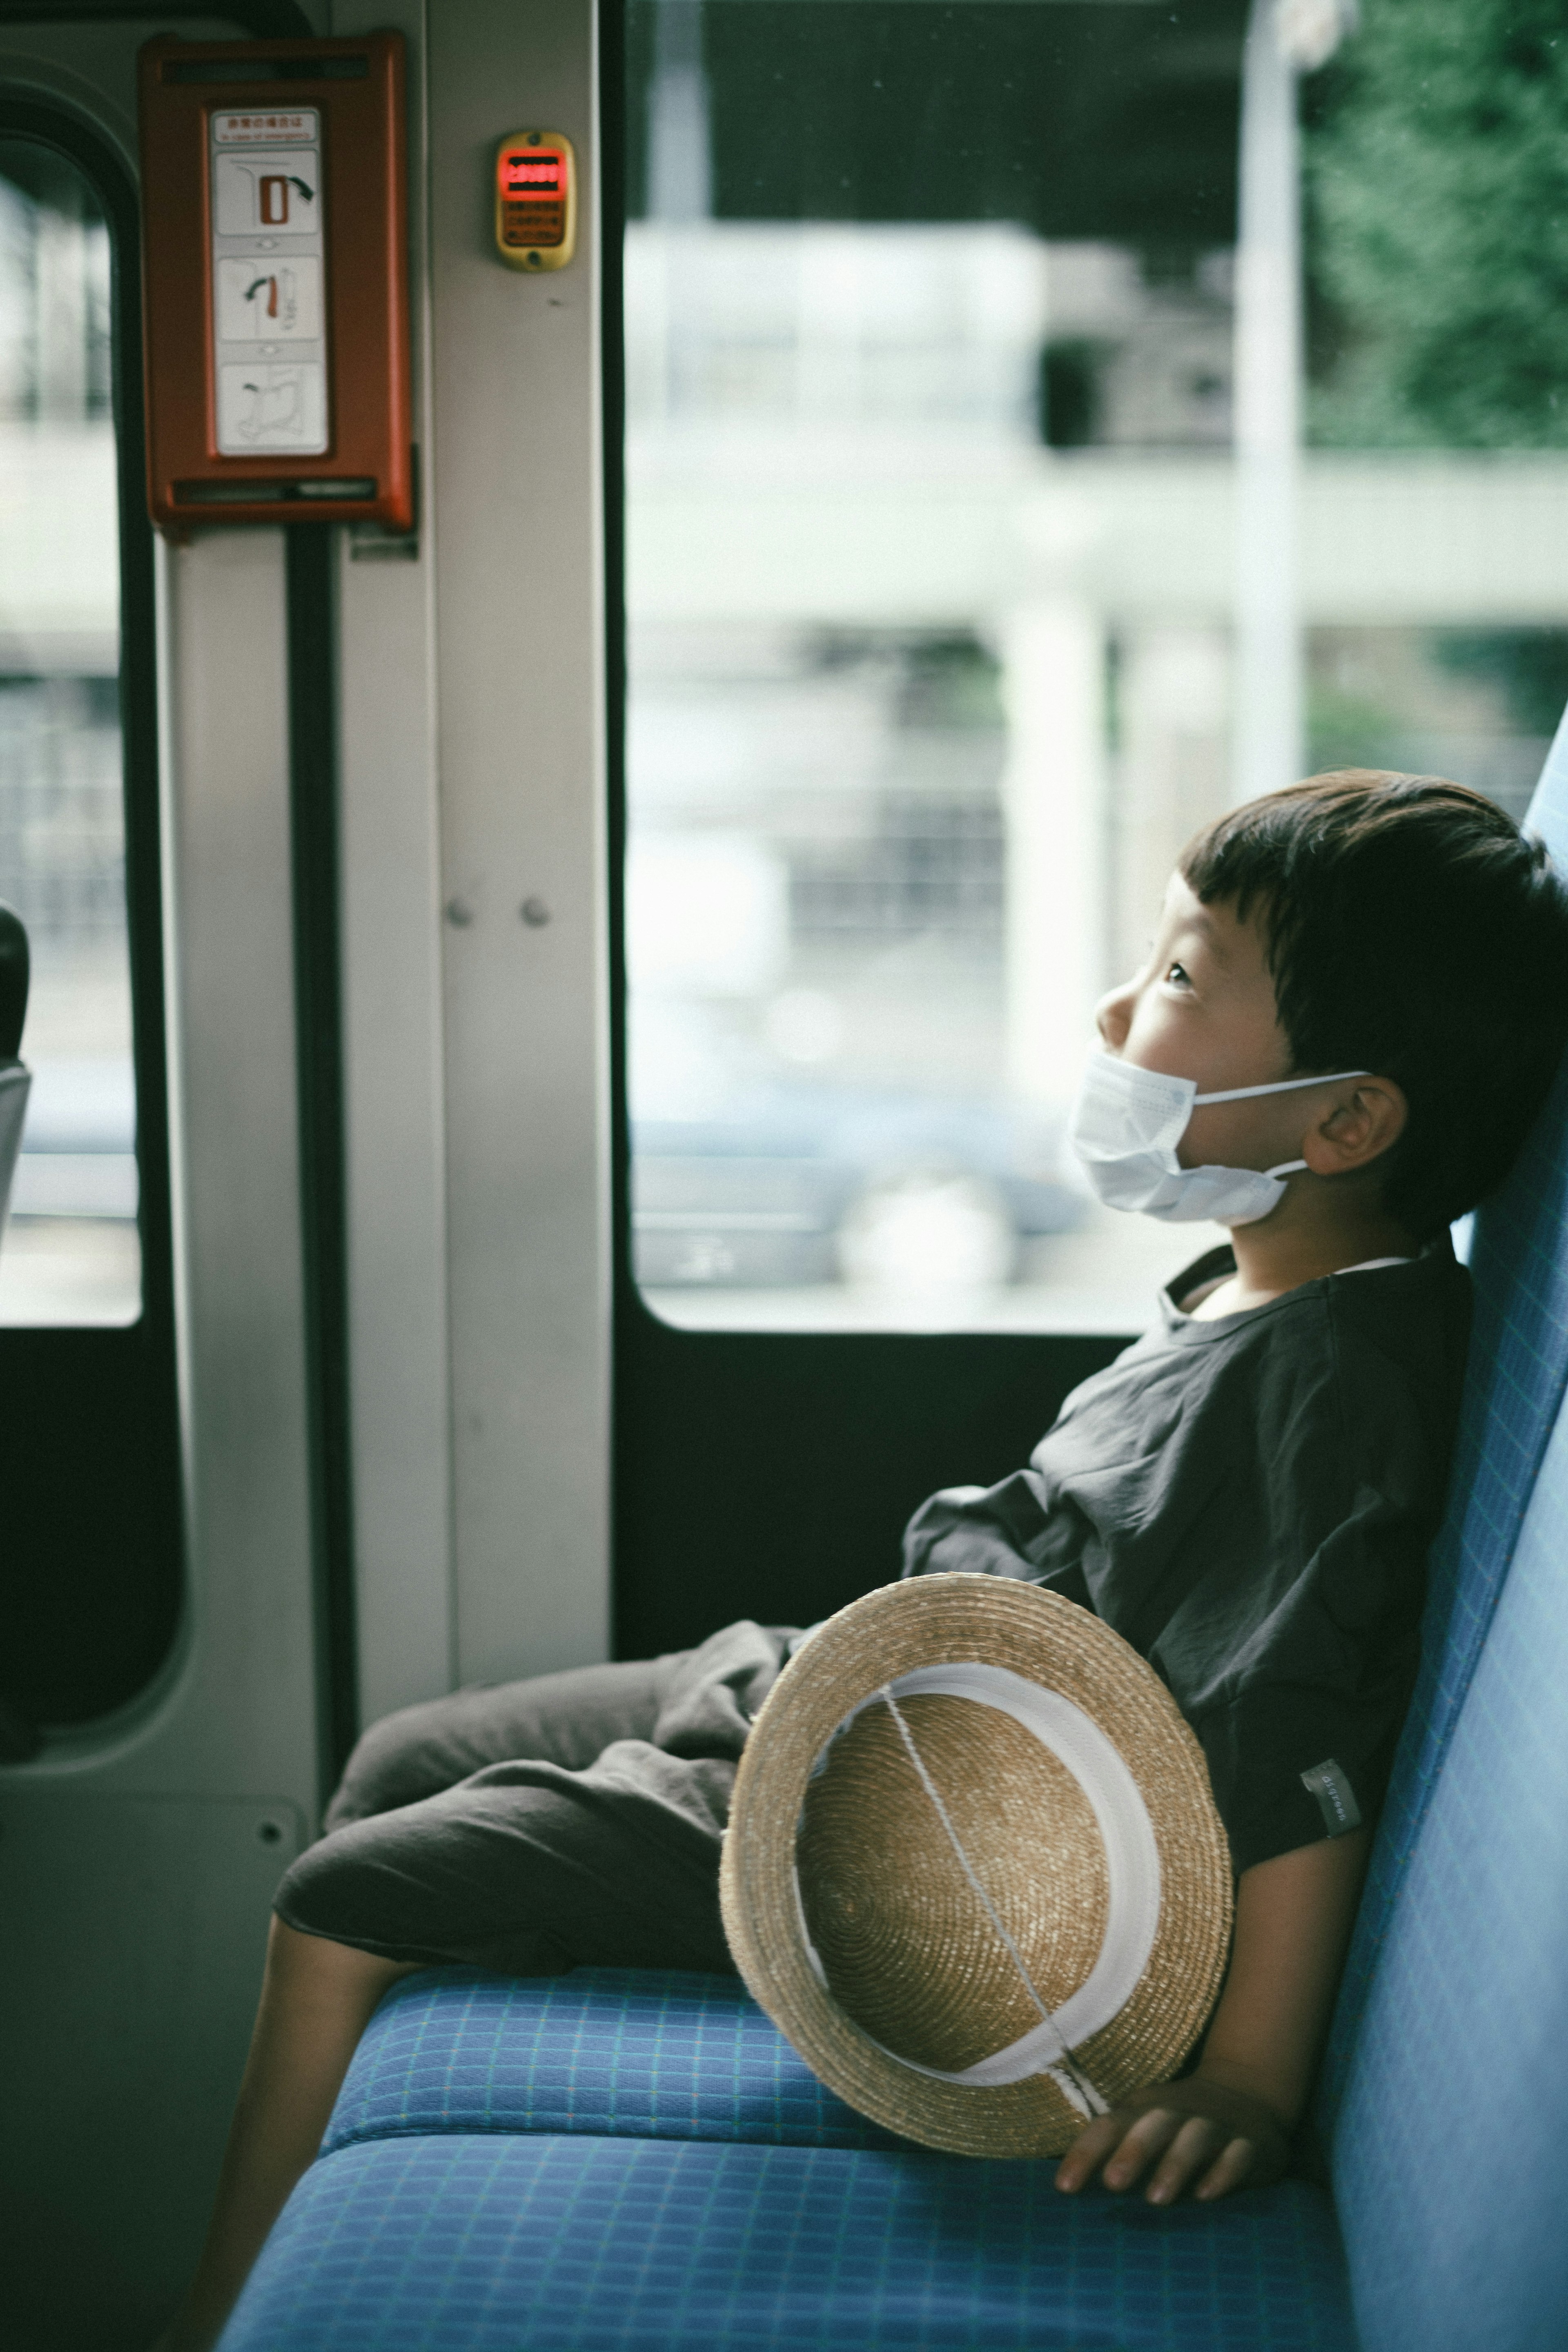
641 2052
469 2243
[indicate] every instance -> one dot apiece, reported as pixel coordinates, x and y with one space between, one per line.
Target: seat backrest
1451 2160
1514 1384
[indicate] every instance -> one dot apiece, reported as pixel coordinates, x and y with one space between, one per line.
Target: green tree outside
1436 161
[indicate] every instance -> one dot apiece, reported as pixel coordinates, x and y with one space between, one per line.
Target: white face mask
1126 1125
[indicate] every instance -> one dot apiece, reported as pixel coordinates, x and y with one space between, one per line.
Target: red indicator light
536 200
532 186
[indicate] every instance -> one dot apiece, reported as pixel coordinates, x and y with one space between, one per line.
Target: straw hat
973 1869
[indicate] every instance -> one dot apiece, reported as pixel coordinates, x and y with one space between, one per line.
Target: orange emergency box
275 275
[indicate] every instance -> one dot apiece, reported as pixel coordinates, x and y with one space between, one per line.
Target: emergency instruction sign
269 260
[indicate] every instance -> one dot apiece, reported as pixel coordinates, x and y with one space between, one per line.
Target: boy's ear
1367 1119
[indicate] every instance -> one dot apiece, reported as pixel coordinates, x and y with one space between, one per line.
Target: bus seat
1514 1384
643 2052
425 2226
473 2242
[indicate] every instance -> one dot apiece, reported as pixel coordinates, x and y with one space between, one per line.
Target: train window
72 1251
941 474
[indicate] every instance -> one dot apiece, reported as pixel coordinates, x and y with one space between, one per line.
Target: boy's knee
334 1892
389 1766
296 1905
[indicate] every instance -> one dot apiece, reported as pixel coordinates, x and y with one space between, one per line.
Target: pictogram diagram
270 324
269 302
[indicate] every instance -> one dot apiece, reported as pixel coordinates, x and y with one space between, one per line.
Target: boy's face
1202 1007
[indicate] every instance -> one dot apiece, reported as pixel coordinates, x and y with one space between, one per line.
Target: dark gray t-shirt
1249 1502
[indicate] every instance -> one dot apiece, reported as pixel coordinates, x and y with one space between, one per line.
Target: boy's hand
1229 2124
1198 2134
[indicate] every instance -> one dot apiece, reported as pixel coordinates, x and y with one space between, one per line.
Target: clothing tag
1329 1783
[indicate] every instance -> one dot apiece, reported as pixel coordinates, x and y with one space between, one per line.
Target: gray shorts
536 1826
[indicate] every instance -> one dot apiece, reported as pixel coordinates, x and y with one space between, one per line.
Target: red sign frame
355 458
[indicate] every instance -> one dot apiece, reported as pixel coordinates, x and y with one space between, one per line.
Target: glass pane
974 561
71 1253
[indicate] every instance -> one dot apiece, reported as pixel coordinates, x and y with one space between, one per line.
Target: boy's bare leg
316 2001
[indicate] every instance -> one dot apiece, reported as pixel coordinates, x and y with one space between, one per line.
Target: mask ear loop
1282 1087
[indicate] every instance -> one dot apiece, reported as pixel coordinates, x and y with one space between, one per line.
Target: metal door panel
138 1919
516 476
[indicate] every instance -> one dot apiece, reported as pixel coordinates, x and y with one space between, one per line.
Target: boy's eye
1177 976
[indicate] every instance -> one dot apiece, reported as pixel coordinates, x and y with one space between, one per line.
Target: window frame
70 1379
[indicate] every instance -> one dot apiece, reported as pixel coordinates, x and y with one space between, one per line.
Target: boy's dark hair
1411 929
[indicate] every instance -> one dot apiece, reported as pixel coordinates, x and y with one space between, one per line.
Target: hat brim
955 1620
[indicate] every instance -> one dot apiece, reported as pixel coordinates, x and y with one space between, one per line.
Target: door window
71 1253
90 1573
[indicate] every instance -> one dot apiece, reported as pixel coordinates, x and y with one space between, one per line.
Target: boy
1347 1021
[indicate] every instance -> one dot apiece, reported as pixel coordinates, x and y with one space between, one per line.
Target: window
91 1569
71 1253
956 508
